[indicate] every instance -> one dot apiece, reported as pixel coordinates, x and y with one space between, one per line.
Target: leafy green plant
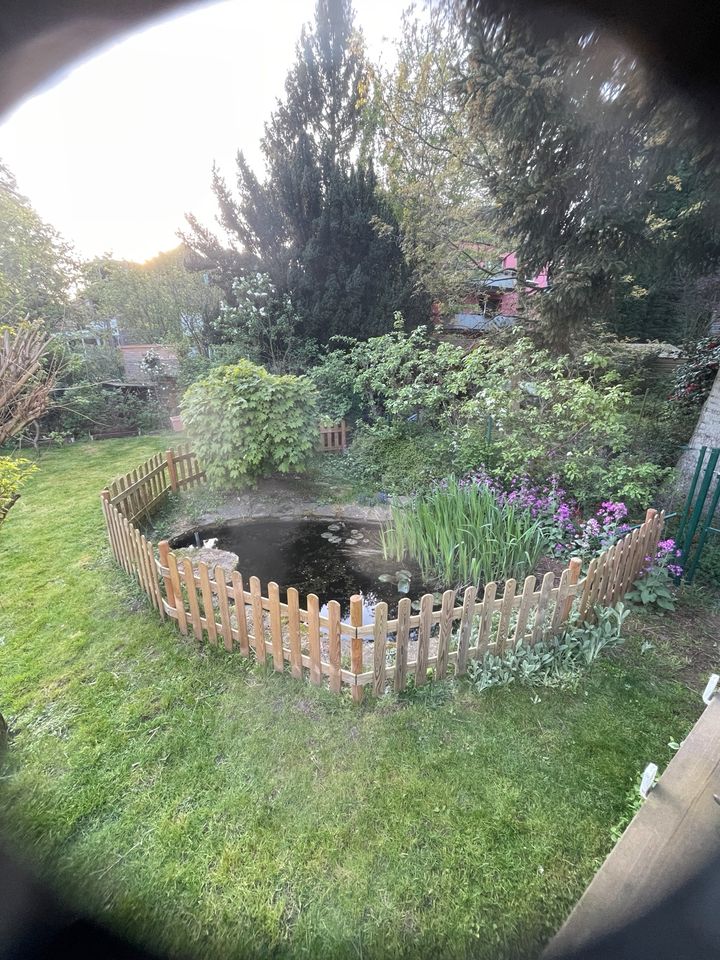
14 471
549 420
654 588
460 534
557 662
398 374
246 423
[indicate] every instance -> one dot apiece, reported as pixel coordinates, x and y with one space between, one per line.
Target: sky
122 146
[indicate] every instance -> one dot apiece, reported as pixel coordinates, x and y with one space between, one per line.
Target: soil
688 640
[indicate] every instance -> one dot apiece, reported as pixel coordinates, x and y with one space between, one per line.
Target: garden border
207 601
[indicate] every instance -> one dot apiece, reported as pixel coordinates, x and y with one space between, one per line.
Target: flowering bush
654 587
694 379
559 515
152 364
601 531
549 503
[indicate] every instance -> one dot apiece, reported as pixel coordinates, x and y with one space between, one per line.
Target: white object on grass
648 779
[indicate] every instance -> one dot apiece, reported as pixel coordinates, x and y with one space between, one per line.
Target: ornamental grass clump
461 535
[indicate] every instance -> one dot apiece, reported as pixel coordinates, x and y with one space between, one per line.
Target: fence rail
334 439
223 609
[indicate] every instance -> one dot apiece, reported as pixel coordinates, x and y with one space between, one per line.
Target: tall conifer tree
317 224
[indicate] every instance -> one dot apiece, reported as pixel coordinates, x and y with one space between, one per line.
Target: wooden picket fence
222 608
334 439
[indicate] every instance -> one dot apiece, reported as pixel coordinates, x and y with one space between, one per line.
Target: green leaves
654 590
246 423
461 536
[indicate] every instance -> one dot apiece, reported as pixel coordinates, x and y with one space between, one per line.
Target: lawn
205 808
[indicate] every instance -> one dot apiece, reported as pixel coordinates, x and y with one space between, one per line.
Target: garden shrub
14 471
654 587
694 379
91 408
399 457
398 375
246 423
547 421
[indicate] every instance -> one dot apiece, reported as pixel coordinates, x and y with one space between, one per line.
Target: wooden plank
152 577
181 615
188 578
671 839
140 570
424 631
258 622
596 592
466 622
356 644
313 606
293 602
542 606
132 559
164 552
632 567
486 618
240 616
446 623
402 637
526 603
334 648
380 617
621 568
561 603
618 562
574 570
220 577
119 521
508 602
207 598
171 469
276 627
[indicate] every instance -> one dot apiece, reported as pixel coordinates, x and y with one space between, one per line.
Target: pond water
331 558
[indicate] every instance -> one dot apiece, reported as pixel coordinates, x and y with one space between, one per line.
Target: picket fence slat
465 629
313 625
220 577
402 637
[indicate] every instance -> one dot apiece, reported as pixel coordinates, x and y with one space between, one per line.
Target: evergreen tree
318 225
36 265
582 154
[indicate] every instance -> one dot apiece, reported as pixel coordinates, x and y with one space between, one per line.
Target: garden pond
331 558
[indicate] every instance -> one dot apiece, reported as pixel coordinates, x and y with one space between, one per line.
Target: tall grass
460 535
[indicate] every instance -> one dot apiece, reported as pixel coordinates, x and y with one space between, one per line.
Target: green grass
204 808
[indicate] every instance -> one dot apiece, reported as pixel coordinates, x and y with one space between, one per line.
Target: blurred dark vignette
41 38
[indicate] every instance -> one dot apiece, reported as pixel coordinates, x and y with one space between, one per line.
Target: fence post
172 470
163 551
356 645
574 570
